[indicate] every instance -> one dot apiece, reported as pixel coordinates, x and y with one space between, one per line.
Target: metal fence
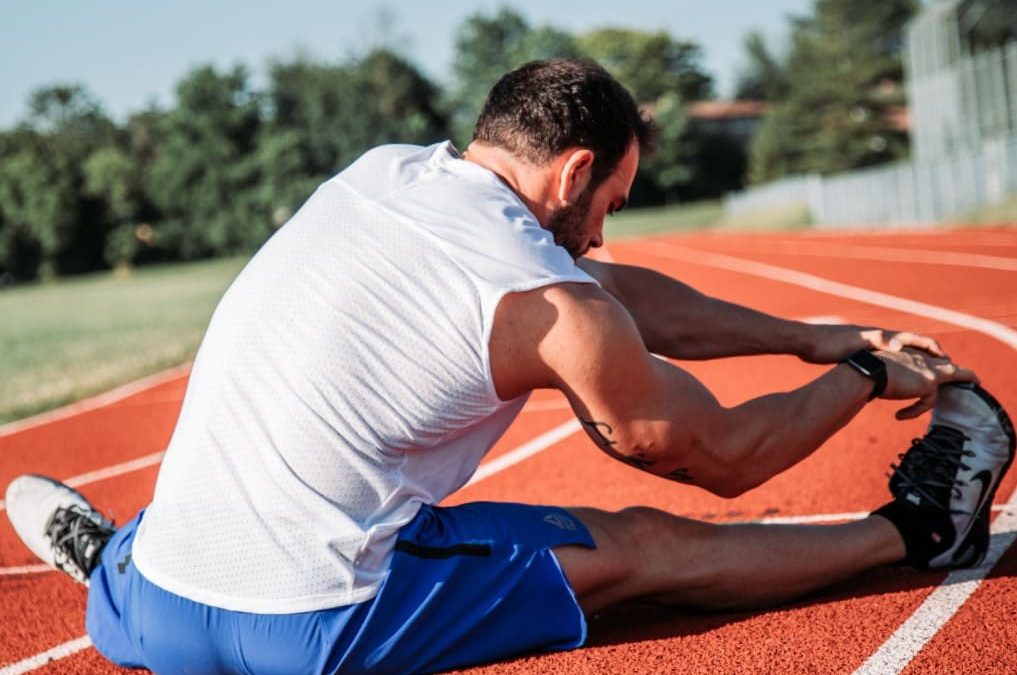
959 107
964 142
905 193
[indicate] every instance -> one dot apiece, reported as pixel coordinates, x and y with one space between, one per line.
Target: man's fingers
951 372
918 407
925 343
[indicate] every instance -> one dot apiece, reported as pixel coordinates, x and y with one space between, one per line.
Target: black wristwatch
872 367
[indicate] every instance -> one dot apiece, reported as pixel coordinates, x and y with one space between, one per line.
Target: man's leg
644 553
939 517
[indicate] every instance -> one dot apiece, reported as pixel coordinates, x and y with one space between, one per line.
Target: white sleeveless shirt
344 380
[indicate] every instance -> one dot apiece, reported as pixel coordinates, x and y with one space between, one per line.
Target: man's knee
641 553
645 529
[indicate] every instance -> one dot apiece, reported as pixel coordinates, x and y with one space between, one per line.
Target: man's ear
575 175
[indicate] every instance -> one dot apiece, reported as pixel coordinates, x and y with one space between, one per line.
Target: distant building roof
899 116
727 110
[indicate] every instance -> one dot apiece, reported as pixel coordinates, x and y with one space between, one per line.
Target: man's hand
832 343
912 373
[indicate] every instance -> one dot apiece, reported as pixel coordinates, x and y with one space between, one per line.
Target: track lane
754 630
662 639
69 446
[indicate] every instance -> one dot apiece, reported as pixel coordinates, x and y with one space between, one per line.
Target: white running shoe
948 478
58 524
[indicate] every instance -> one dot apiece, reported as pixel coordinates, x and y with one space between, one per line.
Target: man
368 356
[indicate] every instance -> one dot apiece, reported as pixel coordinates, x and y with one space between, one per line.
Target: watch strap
872 367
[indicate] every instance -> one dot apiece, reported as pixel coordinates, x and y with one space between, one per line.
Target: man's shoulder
388 167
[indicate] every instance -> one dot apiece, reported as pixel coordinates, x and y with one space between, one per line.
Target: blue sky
132 53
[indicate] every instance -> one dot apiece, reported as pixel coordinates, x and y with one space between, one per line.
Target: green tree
765 76
663 74
650 64
671 169
204 173
323 116
52 225
487 47
844 78
37 204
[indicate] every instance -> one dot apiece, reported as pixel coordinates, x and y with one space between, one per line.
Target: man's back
344 380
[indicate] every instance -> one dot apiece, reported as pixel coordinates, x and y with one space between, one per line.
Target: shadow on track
640 622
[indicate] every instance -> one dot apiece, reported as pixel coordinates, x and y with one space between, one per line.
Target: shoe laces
930 466
77 536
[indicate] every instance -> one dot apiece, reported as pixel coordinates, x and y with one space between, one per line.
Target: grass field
702 215
65 340
71 338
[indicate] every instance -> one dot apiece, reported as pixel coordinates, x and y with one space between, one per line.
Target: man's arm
677 321
657 417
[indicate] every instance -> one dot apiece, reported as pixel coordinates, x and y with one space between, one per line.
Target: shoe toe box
972 411
30 502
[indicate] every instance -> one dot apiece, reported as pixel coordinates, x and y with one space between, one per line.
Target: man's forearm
746 445
677 321
791 426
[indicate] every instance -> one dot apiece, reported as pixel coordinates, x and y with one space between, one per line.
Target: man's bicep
637 408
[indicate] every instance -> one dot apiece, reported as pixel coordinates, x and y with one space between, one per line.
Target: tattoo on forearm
638 461
600 437
601 432
681 475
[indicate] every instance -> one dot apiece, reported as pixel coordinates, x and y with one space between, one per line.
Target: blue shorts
467 585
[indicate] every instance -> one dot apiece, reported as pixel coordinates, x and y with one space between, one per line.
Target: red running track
960 286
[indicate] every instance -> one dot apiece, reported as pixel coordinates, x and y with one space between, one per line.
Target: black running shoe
58 524
945 483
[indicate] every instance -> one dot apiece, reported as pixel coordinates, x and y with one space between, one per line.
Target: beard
568 225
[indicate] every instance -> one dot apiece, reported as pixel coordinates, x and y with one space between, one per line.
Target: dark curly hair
542 108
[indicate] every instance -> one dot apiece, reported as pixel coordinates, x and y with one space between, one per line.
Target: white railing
964 149
907 193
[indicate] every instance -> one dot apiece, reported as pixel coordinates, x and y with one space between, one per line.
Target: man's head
543 108
574 135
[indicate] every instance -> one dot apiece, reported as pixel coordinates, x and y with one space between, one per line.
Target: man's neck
533 184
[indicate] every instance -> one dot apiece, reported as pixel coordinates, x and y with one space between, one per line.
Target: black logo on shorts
560 521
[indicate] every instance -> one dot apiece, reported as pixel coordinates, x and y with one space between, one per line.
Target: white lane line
26 569
832 318
84 405
943 603
885 253
538 444
903 646
488 469
108 472
485 470
952 238
834 517
994 329
542 406
48 656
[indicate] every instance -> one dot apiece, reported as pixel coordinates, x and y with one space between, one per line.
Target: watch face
868 362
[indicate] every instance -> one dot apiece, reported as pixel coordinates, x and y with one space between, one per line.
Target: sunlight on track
892 657
541 442
108 472
48 656
904 645
108 398
1004 334
865 252
909 639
